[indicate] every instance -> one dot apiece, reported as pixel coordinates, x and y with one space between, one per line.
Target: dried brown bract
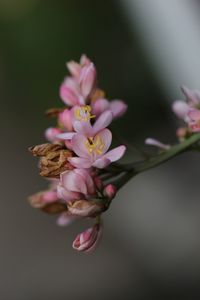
54 159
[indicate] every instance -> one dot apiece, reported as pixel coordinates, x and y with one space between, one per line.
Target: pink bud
74 68
110 191
68 96
87 79
87 240
180 108
65 118
51 134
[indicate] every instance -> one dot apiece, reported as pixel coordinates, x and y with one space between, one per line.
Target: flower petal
194 115
99 106
101 163
79 162
103 121
180 108
74 182
66 135
118 108
116 153
79 142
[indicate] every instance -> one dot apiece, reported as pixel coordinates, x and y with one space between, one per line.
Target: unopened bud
110 191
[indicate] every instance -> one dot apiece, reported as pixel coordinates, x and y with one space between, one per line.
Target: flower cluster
76 160
188 112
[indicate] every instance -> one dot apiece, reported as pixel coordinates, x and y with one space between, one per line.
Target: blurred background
144 51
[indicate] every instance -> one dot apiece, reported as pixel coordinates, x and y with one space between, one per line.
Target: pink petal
74 68
105 136
51 134
79 162
157 143
67 195
194 115
193 96
72 181
79 142
180 108
103 121
116 153
101 163
118 108
87 79
65 219
66 135
83 127
86 175
65 118
99 106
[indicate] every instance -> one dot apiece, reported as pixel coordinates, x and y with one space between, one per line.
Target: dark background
151 244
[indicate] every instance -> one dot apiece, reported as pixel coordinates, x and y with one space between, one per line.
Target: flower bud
87 240
51 134
110 191
65 119
84 208
48 202
88 79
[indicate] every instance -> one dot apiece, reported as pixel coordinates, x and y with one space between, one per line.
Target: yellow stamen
83 113
95 145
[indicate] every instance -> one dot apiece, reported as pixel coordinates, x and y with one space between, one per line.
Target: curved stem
136 168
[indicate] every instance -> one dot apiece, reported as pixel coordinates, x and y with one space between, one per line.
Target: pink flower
181 108
117 107
92 151
76 184
81 117
51 134
154 142
87 240
194 120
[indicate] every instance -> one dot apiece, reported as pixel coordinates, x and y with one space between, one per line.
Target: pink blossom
51 134
181 108
92 151
87 240
194 120
154 142
81 122
75 184
117 107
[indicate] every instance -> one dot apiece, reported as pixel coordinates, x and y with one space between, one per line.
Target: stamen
95 145
84 113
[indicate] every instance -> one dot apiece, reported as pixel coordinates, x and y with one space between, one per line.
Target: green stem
136 168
